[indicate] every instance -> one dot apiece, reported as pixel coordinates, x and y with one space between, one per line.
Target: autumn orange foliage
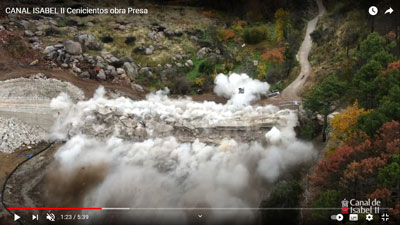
391 36
358 159
394 65
383 194
274 55
344 124
225 34
395 212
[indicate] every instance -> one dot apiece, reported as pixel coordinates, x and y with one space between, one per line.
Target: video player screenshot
199 112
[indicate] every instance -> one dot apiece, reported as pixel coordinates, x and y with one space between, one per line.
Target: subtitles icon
353 217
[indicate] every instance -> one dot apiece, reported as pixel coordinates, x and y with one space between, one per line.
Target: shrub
238 25
51 31
130 40
255 35
282 24
107 39
182 86
199 81
139 50
261 71
225 34
71 23
274 55
309 129
316 36
207 67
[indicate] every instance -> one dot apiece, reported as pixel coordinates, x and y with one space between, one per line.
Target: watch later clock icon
373 10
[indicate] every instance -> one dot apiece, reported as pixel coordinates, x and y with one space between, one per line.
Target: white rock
73 47
29 33
49 49
101 75
120 71
190 62
148 51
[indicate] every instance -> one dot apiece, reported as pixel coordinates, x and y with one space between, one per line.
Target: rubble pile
14 133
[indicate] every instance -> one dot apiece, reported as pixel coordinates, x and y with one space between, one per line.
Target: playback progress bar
173 209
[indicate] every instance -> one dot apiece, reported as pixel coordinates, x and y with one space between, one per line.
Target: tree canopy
326 98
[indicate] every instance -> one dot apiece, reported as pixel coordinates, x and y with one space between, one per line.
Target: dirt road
292 91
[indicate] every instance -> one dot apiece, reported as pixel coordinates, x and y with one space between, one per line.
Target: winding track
292 91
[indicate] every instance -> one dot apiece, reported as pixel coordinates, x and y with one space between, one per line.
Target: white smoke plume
162 172
228 87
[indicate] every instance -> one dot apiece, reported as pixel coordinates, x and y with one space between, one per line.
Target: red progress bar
54 208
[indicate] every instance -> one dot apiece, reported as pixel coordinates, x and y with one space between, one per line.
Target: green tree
383 57
372 44
327 199
325 99
350 37
363 82
386 84
387 94
286 194
316 36
282 24
368 80
389 176
371 122
390 105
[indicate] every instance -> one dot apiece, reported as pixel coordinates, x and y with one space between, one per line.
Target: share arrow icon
389 10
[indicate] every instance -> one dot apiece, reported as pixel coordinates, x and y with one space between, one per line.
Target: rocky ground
15 133
107 49
25 113
118 48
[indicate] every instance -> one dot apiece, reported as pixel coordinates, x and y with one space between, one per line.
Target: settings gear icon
369 217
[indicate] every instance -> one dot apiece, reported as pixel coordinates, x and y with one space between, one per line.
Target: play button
16 217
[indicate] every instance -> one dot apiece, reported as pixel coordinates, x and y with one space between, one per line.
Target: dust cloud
162 172
228 87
